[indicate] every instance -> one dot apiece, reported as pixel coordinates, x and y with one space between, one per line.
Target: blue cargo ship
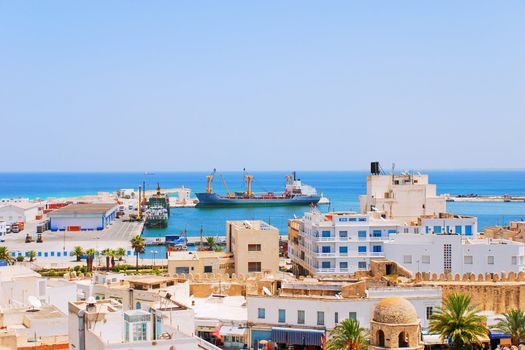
295 193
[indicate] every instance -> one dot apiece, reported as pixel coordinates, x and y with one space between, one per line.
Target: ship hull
156 223
207 200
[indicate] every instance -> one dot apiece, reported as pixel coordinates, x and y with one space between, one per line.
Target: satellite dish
91 300
34 302
267 291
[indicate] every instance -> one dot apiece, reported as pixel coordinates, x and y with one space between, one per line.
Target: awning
297 336
495 334
433 339
232 331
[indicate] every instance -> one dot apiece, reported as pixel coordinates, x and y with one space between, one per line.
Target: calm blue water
342 188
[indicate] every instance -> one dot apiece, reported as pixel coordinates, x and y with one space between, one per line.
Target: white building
18 283
20 211
444 253
310 317
346 242
401 196
98 325
77 217
339 242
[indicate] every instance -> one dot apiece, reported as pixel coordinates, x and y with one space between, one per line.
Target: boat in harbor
158 210
295 193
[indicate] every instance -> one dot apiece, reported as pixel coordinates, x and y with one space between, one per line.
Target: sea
342 188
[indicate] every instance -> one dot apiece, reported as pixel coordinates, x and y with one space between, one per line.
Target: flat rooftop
251 225
92 208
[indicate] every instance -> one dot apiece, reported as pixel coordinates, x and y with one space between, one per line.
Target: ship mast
248 179
209 180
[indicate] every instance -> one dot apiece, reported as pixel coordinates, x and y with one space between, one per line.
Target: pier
483 198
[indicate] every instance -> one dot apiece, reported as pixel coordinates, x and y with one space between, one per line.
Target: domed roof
395 311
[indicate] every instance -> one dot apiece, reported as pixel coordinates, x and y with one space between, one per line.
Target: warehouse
19 211
77 217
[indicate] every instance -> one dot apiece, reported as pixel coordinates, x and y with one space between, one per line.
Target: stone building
395 325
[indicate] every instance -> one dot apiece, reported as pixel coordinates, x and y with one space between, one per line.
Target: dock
484 198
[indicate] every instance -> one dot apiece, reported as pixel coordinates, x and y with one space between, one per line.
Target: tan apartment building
254 245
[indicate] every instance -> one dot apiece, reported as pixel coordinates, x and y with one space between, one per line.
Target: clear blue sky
267 85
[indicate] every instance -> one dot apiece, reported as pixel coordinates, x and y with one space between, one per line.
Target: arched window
137 305
380 338
403 340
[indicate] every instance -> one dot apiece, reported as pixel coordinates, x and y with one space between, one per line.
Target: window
361 249
343 265
514 260
490 259
468 259
182 269
139 331
407 259
376 233
458 229
254 247
325 249
343 234
362 219
377 249
361 235
254 266
336 318
468 230
429 312
320 318
361 265
282 316
325 264
261 313
300 316
447 258
425 259
437 229
343 250
352 315
343 219
208 269
352 219
325 234
137 305
391 232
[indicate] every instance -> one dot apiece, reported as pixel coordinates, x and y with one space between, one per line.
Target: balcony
324 239
321 254
377 253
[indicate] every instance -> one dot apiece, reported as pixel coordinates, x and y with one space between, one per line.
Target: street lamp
154 252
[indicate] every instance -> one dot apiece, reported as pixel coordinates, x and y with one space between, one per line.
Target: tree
210 241
6 255
20 258
120 253
137 243
107 253
458 321
32 255
78 252
90 256
513 323
347 335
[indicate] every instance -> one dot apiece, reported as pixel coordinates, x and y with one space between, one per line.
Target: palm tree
458 321
78 252
210 241
137 243
107 253
513 323
347 335
120 253
6 255
90 255
32 255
